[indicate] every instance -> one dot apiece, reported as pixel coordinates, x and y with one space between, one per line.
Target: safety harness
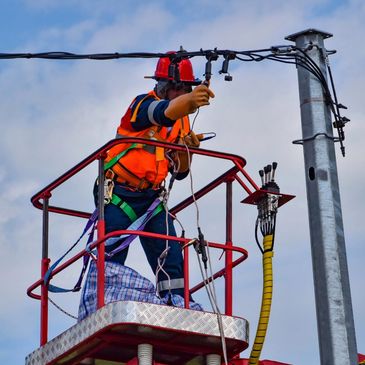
138 224
115 171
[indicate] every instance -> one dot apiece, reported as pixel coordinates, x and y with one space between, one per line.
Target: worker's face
178 90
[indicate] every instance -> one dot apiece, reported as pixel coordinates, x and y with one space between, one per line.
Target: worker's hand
200 96
191 140
188 103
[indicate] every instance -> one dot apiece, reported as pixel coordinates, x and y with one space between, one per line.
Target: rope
61 309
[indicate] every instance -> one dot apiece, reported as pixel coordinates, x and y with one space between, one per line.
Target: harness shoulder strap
116 158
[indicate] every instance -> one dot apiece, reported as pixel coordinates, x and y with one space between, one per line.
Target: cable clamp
282 49
301 141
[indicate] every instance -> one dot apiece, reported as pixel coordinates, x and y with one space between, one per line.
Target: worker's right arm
165 112
150 113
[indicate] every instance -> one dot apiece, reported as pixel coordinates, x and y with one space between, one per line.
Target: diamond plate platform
178 336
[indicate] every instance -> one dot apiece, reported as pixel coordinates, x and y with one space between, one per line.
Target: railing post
186 277
229 253
44 267
101 234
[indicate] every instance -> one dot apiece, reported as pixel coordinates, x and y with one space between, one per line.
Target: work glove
182 158
191 140
189 103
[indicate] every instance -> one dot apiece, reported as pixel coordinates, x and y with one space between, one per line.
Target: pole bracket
301 141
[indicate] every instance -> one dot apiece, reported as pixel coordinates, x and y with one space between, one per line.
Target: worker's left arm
152 112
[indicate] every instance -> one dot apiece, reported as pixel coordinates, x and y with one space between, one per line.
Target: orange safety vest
142 165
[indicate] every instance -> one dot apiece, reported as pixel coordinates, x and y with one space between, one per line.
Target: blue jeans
116 219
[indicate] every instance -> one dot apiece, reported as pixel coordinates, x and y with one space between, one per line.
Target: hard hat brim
193 83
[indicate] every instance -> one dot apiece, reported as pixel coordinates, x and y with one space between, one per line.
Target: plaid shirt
122 283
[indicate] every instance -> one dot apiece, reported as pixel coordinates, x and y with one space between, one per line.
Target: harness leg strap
127 209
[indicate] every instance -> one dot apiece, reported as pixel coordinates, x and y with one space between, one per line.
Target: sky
55 113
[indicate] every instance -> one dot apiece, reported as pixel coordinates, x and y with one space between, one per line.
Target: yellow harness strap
134 115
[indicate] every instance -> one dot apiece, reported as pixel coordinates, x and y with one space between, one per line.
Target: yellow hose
266 301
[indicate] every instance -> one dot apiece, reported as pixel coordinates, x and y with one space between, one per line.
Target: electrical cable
209 285
246 56
339 122
285 54
219 314
333 104
192 184
256 236
267 207
266 301
162 258
215 308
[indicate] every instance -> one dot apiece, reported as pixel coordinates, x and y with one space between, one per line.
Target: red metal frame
41 199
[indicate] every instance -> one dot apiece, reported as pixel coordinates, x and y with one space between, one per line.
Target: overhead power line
283 53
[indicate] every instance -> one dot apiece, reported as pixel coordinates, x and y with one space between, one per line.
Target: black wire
333 104
251 56
321 77
338 122
310 60
256 237
312 67
273 229
283 54
117 55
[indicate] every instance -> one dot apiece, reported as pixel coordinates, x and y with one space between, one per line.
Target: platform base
113 333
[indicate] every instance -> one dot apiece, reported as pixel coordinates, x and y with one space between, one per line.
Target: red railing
41 201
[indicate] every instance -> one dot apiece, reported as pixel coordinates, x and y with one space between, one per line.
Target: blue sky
54 113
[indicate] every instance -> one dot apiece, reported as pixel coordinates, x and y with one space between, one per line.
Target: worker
138 173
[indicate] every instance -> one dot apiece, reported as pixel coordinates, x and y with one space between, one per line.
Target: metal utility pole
335 321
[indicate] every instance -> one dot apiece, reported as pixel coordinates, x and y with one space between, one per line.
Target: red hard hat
185 68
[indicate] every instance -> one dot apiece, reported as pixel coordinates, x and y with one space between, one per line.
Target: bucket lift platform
120 331
177 335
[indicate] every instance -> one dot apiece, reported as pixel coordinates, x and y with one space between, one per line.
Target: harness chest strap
116 158
124 175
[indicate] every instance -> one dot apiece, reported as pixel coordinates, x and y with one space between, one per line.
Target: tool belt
123 176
